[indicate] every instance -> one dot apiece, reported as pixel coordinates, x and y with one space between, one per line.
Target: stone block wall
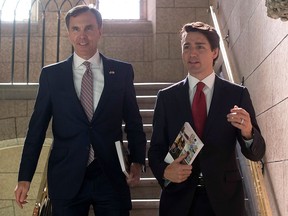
259 45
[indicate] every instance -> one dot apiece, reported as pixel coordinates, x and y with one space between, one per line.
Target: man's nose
193 52
82 34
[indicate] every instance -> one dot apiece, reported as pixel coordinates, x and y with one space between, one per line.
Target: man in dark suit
75 182
212 185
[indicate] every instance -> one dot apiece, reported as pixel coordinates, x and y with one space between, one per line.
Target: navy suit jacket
217 159
73 133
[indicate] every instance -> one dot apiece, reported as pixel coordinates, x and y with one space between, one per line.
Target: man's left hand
240 118
135 174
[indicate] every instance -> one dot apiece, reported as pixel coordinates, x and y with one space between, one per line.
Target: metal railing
31 30
26 46
257 202
42 204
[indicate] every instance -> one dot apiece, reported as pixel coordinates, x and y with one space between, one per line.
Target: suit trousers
96 191
201 205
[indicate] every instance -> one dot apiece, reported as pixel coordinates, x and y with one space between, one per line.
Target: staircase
145 196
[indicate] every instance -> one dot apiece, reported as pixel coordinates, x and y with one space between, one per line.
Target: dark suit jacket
216 160
73 133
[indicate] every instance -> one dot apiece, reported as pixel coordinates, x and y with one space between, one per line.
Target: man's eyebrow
200 43
88 26
197 43
186 43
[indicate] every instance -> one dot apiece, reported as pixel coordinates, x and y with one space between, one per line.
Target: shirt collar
95 60
208 81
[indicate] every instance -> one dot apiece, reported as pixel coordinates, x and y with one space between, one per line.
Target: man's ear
215 53
101 31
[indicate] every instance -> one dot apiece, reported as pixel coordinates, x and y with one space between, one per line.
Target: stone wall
259 45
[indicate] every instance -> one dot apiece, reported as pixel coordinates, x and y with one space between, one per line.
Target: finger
20 200
17 197
235 108
23 196
180 158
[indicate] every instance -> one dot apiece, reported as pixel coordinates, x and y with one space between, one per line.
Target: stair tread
145 203
145 196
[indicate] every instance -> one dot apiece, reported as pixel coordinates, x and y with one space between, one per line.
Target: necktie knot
87 64
200 86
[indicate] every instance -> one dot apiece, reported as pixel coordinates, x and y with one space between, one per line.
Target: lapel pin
111 72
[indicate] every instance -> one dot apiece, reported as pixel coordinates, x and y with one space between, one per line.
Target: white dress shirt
208 89
97 71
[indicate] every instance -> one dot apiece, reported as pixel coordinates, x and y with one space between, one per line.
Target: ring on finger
242 121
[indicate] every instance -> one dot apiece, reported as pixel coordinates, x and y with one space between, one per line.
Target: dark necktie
86 98
199 110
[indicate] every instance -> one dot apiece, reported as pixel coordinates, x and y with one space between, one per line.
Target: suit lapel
214 106
109 73
184 101
68 81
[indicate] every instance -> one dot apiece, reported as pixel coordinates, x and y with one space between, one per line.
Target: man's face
84 34
197 55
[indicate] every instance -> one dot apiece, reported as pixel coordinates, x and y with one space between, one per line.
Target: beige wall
169 17
259 45
152 46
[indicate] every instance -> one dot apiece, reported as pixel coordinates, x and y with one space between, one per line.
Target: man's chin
194 67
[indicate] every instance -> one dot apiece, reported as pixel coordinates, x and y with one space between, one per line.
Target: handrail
263 205
42 204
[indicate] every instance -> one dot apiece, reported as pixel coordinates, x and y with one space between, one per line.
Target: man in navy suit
73 184
212 185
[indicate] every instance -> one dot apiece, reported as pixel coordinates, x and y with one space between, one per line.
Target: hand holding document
123 157
186 141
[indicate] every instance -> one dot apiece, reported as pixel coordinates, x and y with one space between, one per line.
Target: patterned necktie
86 98
199 110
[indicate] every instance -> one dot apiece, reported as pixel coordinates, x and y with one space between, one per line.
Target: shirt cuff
248 143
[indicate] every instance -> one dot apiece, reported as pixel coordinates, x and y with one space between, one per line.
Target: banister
261 203
42 204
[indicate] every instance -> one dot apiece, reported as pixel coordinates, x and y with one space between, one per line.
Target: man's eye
200 47
75 29
89 28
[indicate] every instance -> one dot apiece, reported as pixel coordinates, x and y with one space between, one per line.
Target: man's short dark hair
77 10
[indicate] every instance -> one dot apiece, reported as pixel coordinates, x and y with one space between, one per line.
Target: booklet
186 141
122 153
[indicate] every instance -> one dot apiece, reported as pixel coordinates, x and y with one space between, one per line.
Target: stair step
140 207
144 207
145 196
147 189
149 88
146 102
147 116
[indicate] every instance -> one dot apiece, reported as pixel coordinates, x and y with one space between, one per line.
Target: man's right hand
21 191
177 172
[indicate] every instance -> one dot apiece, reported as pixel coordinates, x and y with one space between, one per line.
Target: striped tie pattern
86 98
